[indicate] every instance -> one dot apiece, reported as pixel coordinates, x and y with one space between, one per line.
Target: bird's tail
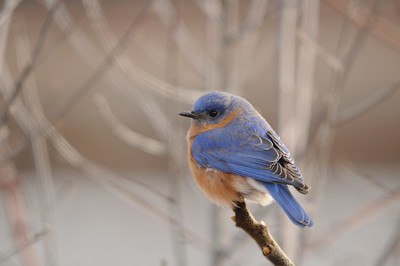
289 204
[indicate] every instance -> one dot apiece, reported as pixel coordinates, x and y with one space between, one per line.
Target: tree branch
259 232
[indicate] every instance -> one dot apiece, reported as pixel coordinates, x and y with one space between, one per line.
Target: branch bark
260 233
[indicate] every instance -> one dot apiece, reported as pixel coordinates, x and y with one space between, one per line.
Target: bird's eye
213 113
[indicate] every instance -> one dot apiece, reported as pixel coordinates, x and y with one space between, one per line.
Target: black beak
191 114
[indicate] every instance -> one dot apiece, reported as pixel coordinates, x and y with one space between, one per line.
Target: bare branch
367 104
39 146
243 59
383 29
356 218
124 133
10 184
5 19
106 63
124 82
212 9
182 36
287 124
7 256
29 66
392 247
259 232
108 40
330 59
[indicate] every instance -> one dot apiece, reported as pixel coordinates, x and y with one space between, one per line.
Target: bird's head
214 107
210 108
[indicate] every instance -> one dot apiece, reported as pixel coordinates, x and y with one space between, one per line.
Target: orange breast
218 186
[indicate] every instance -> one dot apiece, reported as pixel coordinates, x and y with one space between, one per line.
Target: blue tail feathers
285 199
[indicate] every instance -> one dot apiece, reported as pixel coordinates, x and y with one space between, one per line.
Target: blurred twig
330 59
7 256
121 81
32 60
246 47
287 102
10 184
356 218
367 104
109 180
391 249
124 133
186 42
39 147
108 40
382 29
5 19
105 64
326 129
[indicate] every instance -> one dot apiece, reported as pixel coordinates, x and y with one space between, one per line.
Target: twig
329 58
29 66
108 40
121 80
182 36
287 116
6 257
246 52
127 135
390 249
357 217
367 104
10 183
5 21
39 146
383 29
105 64
259 232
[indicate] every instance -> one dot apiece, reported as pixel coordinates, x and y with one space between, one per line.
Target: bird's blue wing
256 153
252 152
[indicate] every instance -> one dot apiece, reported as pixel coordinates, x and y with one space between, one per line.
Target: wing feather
263 157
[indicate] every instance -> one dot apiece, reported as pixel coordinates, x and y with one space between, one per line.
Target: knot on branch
259 232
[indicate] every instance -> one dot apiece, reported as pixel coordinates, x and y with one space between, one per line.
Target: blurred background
93 154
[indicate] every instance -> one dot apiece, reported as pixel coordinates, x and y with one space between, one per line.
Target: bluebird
234 154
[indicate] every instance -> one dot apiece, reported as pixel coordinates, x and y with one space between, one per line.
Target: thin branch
246 50
391 248
166 11
130 137
7 256
330 59
77 94
32 60
111 181
326 129
5 21
107 179
259 232
355 218
367 104
350 170
10 183
287 113
108 40
39 146
175 164
122 81
42 127
383 29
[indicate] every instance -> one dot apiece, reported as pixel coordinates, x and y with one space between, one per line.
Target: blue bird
233 153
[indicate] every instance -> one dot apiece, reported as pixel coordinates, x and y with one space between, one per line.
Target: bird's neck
197 127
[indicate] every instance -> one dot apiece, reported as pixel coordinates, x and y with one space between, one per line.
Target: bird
234 154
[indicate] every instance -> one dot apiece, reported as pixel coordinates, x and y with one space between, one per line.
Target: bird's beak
190 114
